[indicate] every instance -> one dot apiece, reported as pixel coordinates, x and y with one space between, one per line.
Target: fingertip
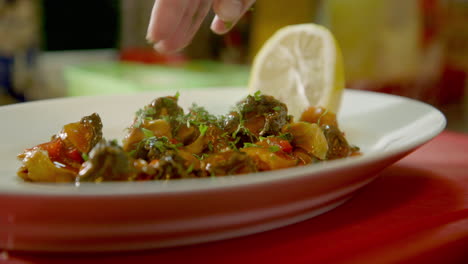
165 47
220 27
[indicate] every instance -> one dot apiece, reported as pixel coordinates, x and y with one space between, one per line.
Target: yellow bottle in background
380 39
268 16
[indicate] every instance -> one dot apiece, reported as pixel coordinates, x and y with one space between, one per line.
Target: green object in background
120 78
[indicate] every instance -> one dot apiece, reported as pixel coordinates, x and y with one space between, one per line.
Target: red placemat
415 212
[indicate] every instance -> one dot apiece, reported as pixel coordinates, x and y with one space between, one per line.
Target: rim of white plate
205 184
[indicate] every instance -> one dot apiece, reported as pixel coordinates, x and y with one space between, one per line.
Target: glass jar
19 30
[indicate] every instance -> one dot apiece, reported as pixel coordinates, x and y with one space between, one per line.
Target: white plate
142 215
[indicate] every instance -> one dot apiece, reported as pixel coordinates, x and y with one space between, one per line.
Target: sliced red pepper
285 146
75 155
53 148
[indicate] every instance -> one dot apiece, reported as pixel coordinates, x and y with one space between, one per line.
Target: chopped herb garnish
258 96
177 95
150 111
286 136
322 115
277 108
148 133
210 146
190 168
203 128
232 145
84 156
167 101
249 145
274 148
143 114
200 157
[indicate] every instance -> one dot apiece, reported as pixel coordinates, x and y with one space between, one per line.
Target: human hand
173 23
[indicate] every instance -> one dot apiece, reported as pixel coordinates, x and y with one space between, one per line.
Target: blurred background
413 48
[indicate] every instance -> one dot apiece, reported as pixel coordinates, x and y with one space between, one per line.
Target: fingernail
219 26
149 40
149 36
158 47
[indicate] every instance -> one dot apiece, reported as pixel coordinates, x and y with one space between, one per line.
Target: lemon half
301 65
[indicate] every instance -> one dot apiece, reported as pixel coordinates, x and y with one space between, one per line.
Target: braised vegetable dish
164 142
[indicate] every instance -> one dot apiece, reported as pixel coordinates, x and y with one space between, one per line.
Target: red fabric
415 212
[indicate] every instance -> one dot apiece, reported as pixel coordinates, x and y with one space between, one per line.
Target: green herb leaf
274 148
286 136
149 111
277 108
177 95
257 96
203 128
143 114
232 145
249 145
210 146
200 157
84 156
322 115
148 133
190 168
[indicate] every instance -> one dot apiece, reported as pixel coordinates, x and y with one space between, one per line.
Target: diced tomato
75 155
53 148
285 146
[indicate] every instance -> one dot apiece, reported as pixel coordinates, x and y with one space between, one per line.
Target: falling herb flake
228 24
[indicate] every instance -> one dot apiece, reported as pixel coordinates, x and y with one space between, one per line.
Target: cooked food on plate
164 142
